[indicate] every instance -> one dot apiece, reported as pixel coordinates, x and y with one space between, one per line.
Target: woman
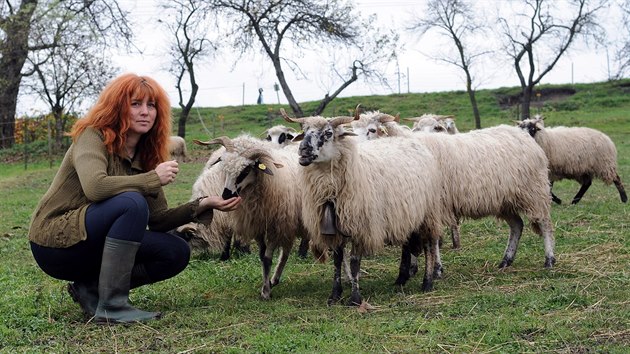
103 222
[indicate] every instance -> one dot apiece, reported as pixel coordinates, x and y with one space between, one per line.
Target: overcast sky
222 84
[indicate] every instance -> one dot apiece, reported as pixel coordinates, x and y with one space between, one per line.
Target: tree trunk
527 99
14 52
473 100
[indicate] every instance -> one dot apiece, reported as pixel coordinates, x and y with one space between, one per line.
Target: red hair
111 115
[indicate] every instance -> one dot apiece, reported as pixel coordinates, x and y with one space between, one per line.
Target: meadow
581 305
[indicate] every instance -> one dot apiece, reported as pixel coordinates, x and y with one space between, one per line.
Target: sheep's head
449 123
532 125
280 134
427 123
319 135
241 164
373 124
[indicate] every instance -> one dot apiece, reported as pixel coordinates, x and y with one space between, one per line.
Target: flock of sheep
367 182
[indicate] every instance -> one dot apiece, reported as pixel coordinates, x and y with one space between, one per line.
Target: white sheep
264 176
496 171
348 197
177 148
576 153
280 134
215 234
372 124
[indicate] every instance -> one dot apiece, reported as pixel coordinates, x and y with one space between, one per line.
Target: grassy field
581 305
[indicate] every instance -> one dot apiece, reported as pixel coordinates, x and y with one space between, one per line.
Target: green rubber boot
85 293
114 284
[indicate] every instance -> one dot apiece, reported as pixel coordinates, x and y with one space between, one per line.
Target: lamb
177 148
280 134
495 171
264 176
576 153
347 197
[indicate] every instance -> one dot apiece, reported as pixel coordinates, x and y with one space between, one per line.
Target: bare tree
456 20
278 27
189 45
622 56
548 30
21 34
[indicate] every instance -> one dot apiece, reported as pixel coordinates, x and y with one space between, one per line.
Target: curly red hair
111 115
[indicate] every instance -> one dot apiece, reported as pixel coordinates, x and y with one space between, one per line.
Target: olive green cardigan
89 174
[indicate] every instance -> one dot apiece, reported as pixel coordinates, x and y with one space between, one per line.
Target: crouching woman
103 223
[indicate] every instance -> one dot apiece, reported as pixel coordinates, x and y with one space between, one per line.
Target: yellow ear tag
262 166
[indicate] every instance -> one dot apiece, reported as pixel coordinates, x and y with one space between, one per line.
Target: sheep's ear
263 168
290 136
299 137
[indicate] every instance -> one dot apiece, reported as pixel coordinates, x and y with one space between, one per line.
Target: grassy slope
582 304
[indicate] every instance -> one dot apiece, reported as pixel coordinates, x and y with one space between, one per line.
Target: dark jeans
124 217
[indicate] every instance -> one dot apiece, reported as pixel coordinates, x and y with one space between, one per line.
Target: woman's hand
167 171
218 203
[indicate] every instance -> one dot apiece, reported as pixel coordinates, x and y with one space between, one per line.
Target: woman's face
143 113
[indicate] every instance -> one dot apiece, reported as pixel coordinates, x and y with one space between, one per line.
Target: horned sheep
280 134
347 197
496 171
264 176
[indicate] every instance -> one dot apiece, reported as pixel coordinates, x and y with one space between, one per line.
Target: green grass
580 305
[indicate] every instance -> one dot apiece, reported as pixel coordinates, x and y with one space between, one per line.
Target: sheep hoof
505 263
355 300
332 300
549 262
401 280
438 271
427 285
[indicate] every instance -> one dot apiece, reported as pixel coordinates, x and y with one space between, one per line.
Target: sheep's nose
227 194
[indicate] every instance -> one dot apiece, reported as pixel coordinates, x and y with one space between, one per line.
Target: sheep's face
242 172
317 144
428 125
532 126
449 123
280 135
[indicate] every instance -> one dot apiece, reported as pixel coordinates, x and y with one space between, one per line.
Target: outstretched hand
218 203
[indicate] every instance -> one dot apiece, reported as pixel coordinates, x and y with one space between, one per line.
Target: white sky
221 84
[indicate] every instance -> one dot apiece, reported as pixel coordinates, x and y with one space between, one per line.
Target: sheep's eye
328 134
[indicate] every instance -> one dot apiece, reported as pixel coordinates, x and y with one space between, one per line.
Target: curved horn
334 122
357 112
414 119
397 118
384 118
256 153
289 119
223 140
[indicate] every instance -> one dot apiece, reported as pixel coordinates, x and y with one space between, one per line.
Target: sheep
347 197
495 171
263 175
217 234
576 153
373 124
433 123
177 148
280 134
449 123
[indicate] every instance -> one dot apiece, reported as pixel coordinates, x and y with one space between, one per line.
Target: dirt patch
551 94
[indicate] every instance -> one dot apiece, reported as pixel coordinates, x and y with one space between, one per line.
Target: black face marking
243 174
282 138
268 138
227 194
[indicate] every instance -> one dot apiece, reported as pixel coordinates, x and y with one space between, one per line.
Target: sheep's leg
586 183
553 196
429 258
545 230
516 229
266 258
404 269
437 261
337 288
282 261
622 191
240 246
227 246
303 249
455 235
355 268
